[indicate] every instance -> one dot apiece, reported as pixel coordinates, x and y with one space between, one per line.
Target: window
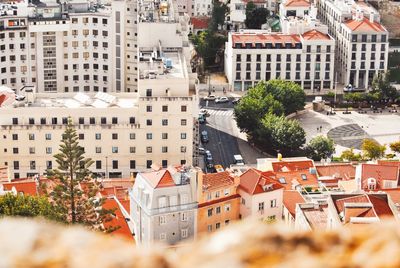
164 149
226 191
149 136
97 136
132 164
184 216
273 203
162 220
217 225
217 210
183 136
16 165
183 122
183 149
132 120
115 164
165 108
261 206
217 194
149 149
81 136
114 149
98 164
183 108
227 207
243 201
98 150
15 137
226 222
132 150
209 212
15 121
31 137
184 233
149 108
163 236
164 122
114 136
32 165
132 136
209 196
15 150
209 228
114 120
149 163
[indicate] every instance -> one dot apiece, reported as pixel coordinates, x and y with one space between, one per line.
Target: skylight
304 177
282 180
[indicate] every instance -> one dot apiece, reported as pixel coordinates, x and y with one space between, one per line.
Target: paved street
225 139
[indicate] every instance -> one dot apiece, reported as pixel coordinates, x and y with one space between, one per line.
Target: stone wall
27 243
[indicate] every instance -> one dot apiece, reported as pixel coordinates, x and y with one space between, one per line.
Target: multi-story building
164 206
361 41
69 47
261 197
307 59
195 8
218 200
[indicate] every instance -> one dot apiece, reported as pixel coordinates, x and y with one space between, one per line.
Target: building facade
362 43
307 59
218 201
164 206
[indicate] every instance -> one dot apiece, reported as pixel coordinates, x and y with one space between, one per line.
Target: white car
210 98
221 100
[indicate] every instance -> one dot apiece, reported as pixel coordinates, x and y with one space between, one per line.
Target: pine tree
75 191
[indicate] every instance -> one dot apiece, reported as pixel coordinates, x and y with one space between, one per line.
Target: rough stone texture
27 243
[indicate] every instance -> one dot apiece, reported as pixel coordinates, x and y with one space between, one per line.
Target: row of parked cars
220 99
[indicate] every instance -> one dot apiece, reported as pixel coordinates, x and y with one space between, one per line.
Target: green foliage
349 155
381 84
219 12
390 156
281 134
355 97
330 94
308 189
207 45
373 96
320 147
28 206
290 94
75 192
255 17
253 106
372 149
395 146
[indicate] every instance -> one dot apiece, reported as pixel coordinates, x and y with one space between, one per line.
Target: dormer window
282 180
238 45
371 184
304 177
248 45
258 45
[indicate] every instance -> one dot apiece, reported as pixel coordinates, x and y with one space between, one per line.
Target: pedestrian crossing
226 113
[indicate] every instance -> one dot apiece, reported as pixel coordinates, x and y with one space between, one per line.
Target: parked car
210 98
221 100
19 97
202 150
202 119
219 168
204 112
204 136
208 156
235 101
238 160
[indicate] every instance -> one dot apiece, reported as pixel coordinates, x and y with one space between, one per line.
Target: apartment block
164 206
307 59
361 40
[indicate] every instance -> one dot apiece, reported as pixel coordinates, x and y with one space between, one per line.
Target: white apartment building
307 59
195 8
123 132
362 42
164 205
72 47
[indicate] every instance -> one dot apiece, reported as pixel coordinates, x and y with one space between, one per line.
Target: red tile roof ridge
217 180
355 24
290 199
220 200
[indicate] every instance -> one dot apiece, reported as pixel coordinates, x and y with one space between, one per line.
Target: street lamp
106 175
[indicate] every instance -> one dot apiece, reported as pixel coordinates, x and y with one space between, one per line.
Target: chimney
371 17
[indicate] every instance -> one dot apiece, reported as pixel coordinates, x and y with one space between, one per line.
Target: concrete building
311 216
164 206
218 201
307 59
261 197
361 41
290 200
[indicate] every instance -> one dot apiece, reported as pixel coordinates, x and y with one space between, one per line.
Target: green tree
320 147
349 155
290 94
253 106
395 146
255 16
75 191
207 45
381 83
372 149
28 206
218 14
281 134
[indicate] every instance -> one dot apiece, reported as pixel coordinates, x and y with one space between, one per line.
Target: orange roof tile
380 173
199 22
290 199
252 38
381 205
389 163
339 203
315 35
253 181
297 3
158 179
295 178
394 195
125 183
25 187
364 25
118 220
279 166
217 180
126 204
338 171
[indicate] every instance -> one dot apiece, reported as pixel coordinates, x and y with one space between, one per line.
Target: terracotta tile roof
254 181
126 204
252 38
3 173
283 165
317 217
364 25
315 35
339 171
295 178
380 173
297 3
339 203
199 23
158 179
290 199
394 195
118 220
220 200
389 163
381 205
25 187
125 183
217 180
